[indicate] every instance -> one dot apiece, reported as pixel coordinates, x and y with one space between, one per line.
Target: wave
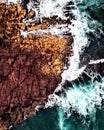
78 30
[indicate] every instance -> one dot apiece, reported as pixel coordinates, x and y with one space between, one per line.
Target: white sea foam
61 118
96 61
11 1
78 28
47 8
57 29
50 8
83 98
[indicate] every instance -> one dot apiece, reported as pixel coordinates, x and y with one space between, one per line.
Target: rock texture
30 67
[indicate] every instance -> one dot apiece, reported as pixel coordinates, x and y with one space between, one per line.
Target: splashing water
76 110
82 99
11 1
78 28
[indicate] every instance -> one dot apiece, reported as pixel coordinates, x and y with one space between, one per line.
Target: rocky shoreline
31 66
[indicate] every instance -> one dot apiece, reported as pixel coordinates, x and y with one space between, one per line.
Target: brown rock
31 14
30 67
22 26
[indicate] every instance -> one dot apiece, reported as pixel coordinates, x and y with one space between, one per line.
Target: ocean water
80 108
81 104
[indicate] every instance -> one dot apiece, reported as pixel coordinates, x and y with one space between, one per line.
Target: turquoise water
45 122
81 107
90 117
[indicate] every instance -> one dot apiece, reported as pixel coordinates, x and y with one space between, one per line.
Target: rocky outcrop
22 83
30 67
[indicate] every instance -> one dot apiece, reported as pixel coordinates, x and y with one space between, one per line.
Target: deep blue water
87 108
